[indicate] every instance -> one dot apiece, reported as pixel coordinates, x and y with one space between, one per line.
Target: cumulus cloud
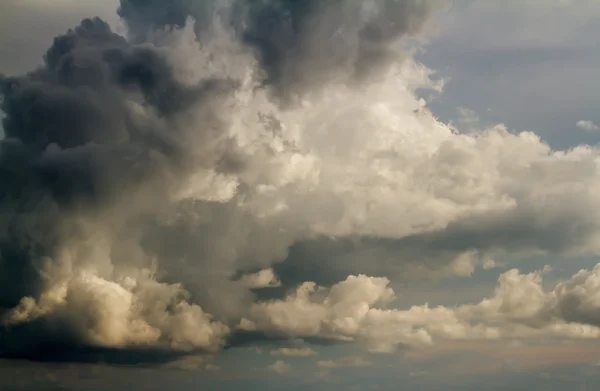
350 361
587 125
153 186
86 137
121 154
294 352
298 44
280 367
262 279
489 264
353 310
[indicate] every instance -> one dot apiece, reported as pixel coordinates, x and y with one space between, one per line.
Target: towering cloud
95 139
166 192
300 44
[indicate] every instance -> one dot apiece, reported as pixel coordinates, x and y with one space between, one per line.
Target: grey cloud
57 346
143 181
75 153
144 17
298 43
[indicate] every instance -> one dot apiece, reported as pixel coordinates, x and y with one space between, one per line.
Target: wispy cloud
349 361
280 367
587 125
294 352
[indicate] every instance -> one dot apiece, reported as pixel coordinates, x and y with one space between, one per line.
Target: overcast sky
454 239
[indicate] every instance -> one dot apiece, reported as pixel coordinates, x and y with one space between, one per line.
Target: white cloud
263 279
519 309
280 367
587 125
489 264
189 363
294 352
346 162
343 362
127 309
193 363
315 311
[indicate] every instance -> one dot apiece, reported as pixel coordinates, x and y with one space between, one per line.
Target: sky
280 195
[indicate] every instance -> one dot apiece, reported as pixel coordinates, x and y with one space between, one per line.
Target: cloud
297 44
586 125
354 310
119 315
80 144
280 367
349 361
262 279
337 312
467 117
124 148
190 363
154 185
212 367
489 264
293 352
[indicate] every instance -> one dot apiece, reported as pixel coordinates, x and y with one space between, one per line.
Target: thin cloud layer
293 352
169 192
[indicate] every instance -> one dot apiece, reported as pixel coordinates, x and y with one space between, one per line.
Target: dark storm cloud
143 17
42 341
68 127
98 137
328 260
300 43
73 149
101 258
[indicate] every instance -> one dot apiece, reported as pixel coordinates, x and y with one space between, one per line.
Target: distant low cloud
467 117
189 363
293 352
587 125
263 279
280 367
354 310
489 264
350 361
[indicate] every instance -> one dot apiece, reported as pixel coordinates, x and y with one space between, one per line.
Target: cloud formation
165 193
293 352
279 367
355 310
299 45
349 361
587 125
